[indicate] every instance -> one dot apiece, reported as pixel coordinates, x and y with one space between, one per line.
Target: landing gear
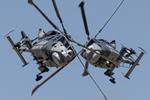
109 73
85 73
42 69
38 77
112 80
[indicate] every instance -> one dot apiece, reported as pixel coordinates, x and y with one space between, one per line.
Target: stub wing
17 51
134 64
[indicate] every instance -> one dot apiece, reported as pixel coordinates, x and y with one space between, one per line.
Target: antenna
49 77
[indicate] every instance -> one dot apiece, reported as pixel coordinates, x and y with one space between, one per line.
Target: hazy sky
130 26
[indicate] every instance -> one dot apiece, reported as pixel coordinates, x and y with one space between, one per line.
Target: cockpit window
52 33
67 44
102 40
63 40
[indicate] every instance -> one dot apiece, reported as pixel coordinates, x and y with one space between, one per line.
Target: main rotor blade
109 18
57 11
92 78
58 15
81 5
52 75
43 14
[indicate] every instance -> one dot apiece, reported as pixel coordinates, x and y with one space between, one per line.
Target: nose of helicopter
58 59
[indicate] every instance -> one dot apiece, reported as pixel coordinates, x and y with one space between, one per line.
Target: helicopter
105 54
49 49
54 49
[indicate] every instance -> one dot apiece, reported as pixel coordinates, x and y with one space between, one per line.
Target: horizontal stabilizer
17 51
134 64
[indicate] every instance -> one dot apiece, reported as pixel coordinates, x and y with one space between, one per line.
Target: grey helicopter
49 49
55 49
104 54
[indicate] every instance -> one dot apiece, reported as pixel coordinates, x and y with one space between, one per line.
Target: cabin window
63 40
52 33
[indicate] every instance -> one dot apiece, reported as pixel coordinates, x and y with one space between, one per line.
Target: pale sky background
130 26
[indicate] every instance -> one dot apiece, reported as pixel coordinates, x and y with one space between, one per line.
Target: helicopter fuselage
53 50
102 54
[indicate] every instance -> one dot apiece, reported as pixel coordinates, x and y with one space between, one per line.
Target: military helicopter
54 49
105 54
49 49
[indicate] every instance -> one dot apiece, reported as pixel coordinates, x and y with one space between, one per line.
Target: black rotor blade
57 11
109 18
92 78
44 15
81 5
58 15
51 76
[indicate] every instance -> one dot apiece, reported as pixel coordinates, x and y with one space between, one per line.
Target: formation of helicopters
54 49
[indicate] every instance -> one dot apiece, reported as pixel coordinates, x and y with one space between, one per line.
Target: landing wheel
38 77
85 73
112 80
